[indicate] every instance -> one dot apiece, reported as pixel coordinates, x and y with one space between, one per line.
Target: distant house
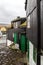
5 27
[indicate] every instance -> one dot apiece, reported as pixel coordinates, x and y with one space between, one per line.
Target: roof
19 19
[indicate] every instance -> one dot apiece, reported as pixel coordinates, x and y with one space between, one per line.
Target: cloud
10 9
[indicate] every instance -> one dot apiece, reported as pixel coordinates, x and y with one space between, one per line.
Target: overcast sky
10 9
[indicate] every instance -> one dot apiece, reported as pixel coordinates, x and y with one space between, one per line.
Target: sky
10 9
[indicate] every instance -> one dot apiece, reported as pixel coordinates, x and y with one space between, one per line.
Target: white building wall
31 61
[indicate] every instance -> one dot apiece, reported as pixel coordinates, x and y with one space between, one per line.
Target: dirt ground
11 57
